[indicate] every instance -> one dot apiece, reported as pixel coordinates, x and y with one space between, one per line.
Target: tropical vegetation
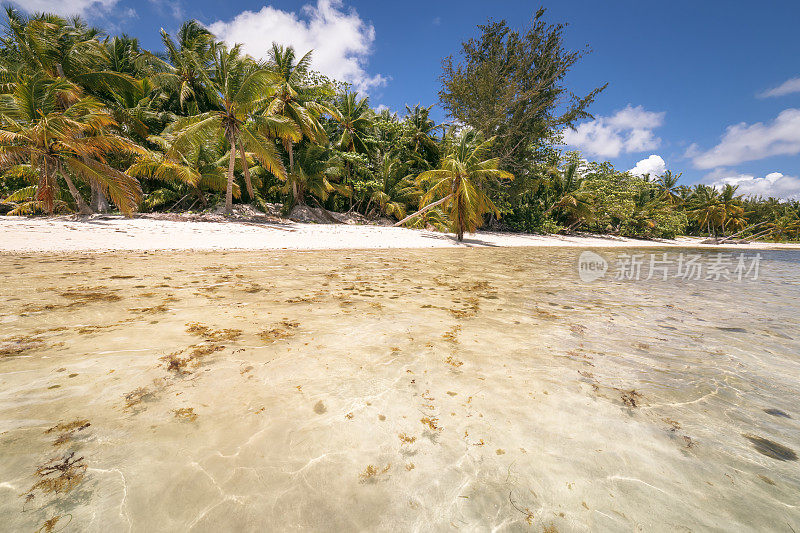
91 122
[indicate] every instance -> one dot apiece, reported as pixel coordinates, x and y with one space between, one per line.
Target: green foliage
85 113
510 85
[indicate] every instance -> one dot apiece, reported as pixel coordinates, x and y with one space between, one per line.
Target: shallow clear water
394 390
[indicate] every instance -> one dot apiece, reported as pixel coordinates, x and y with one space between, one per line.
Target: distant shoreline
145 233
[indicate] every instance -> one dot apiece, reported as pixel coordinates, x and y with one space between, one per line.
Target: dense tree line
91 122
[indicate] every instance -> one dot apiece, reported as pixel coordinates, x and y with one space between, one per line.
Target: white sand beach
102 233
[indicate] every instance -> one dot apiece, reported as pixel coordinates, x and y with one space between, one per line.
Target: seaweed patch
59 475
67 430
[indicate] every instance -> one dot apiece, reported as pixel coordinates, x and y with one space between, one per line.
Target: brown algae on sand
59 475
242 424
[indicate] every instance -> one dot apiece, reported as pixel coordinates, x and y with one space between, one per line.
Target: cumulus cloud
66 7
341 40
774 184
629 130
743 142
788 87
653 165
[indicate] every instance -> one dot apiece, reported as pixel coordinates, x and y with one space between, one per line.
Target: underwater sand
464 389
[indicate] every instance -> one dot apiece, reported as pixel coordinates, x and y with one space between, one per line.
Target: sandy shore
117 233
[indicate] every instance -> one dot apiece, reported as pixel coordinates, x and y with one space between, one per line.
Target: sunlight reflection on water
395 390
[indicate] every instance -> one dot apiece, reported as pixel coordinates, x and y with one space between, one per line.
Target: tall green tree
510 85
239 86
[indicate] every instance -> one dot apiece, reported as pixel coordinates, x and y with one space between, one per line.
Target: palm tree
47 126
705 207
457 185
731 208
668 185
181 77
294 99
313 174
421 130
356 121
239 87
564 183
197 171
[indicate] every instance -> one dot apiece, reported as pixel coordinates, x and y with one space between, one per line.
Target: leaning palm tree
54 132
239 86
457 185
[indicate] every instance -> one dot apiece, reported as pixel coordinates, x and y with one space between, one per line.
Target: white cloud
788 87
743 142
773 184
341 40
653 165
66 7
629 130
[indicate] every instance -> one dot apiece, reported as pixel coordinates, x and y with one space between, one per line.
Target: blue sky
689 81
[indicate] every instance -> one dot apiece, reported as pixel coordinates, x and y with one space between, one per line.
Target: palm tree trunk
229 188
297 196
291 156
424 209
83 209
246 173
99 202
460 212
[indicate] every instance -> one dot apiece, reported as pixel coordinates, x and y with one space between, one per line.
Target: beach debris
283 330
59 475
19 345
771 448
430 422
406 439
777 412
453 362
320 408
766 480
156 309
372 472
527 512
630 398
185 414
452 335
139 395
577 329
215 335
49 525
67 430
